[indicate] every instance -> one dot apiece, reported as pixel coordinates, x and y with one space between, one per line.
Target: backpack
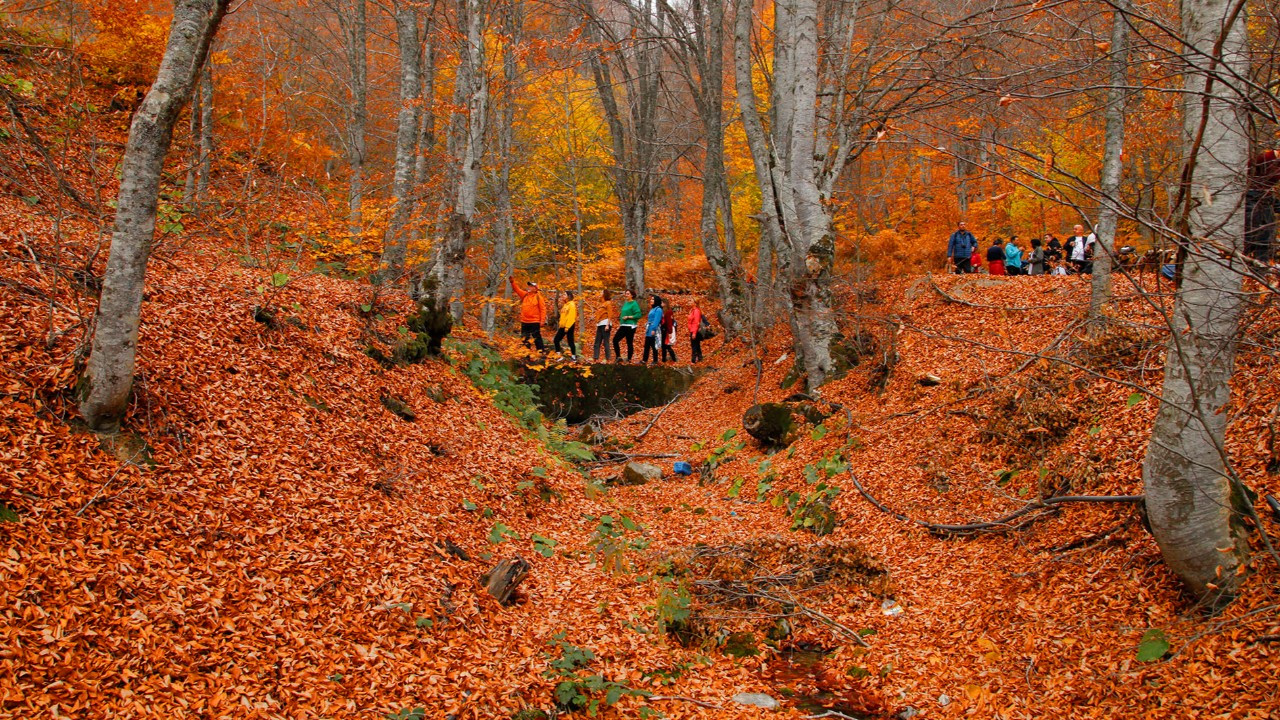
705 331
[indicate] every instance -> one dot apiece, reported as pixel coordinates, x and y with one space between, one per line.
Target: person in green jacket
627 321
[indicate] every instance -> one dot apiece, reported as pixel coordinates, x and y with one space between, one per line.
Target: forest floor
282 545
269 540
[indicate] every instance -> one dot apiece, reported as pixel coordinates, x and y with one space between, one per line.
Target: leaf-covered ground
273 542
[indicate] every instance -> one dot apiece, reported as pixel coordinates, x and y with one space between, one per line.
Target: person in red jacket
669 333
533 312
695 341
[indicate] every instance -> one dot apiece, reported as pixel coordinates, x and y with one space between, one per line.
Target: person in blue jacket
1013 256
653 332
960 249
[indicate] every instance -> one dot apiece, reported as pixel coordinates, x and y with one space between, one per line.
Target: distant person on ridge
960 248
604 323
568 325
1013 256
695 340
669 333
627 321
653 331
533 312
995 258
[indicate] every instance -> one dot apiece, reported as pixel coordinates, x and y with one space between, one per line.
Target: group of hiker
1045 256
659 326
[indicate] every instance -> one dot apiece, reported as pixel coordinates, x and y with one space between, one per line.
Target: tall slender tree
466 144
1112 164
1189 495
111 363
396 241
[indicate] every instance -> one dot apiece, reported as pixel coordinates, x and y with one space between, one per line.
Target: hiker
1035 262
1079 248
669 334
533 312
695 333
652 331
975 260
604 323
627 321
568 325
995 258
1013 256
960 247
1052 247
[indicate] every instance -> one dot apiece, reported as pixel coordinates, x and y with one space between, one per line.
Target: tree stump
502 580
777 424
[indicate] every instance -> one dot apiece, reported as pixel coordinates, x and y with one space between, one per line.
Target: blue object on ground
682 468
1169 270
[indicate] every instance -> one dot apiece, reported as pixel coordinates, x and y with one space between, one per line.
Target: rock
759 700
944 699
636 473
907 713
929 380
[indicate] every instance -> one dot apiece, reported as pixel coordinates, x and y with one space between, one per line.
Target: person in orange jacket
533 312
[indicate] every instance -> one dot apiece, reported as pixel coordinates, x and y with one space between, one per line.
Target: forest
535 359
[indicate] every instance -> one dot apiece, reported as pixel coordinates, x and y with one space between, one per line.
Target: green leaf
366 307
1004 477
866 632
468 505
539 471
1154 646
279 279
424 622
614 694
1093 431
1134 399
819 431
729 434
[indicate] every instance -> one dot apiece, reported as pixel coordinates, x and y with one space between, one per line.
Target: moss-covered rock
576 392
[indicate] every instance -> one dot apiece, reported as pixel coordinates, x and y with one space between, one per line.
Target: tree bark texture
633 121
1112 165
468 133
355 28
502 256
1188 493
396 241
115 340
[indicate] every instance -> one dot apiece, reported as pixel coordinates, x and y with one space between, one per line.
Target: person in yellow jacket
568 323
533 312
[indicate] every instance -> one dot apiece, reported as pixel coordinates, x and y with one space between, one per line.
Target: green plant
612 540
577 690
544 546
500 532
493 376
417 713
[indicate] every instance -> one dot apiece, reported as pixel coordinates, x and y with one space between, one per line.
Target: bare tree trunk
115 339
698 48
761 155
633 133
355 30
453 250
206 133
1188 493
502 258
396 240
1112 166
190 187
